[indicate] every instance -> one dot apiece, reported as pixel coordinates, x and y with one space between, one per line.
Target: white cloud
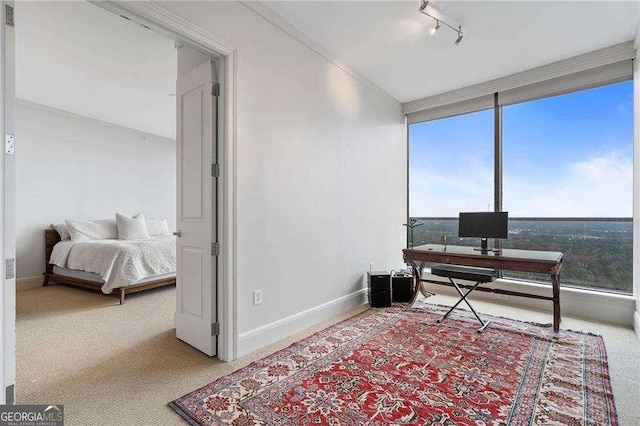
599 186
622 108
466 186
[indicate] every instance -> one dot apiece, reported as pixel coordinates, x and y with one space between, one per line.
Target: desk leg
555 280
417 276
424 291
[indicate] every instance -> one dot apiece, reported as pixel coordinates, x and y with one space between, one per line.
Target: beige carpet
120 365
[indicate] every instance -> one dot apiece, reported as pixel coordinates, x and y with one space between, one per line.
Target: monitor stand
483 245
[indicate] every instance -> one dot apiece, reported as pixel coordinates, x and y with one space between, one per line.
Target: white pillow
62 230
131 228
157 227
83 230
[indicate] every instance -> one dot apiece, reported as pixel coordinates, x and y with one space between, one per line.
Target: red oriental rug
397 366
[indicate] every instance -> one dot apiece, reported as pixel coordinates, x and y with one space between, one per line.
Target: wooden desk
544 262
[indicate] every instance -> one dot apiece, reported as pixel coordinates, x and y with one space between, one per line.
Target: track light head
433 30
459 39
423 5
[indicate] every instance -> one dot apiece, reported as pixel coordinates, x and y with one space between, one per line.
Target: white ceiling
80 58
388 41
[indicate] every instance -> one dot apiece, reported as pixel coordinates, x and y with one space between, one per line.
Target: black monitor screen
483 225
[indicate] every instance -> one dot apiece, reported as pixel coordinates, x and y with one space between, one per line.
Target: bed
130 269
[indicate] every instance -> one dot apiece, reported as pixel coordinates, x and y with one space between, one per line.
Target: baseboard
29 282
260 337
636 323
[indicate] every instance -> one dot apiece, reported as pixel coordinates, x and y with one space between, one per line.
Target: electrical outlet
502 296
371 267
257 297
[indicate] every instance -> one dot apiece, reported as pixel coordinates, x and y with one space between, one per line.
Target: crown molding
172 25
278 21
597 58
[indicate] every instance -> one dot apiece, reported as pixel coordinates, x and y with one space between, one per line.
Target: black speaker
379 289
401 288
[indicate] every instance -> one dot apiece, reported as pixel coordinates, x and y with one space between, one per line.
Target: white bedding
120 263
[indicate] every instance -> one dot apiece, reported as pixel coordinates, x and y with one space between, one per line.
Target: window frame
600 76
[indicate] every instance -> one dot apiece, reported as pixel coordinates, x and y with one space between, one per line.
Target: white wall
321 177
189 59
69 166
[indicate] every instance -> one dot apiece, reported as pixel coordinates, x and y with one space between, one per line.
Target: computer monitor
483 225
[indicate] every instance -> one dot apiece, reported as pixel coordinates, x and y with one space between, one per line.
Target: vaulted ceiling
80 58
388 41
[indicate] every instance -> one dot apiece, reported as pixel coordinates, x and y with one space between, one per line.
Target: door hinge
9 269
9 144
8 15
215 169
215 248
215 89
215 329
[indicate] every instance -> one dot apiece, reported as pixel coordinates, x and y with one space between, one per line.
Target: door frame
174 27
7 211
167 23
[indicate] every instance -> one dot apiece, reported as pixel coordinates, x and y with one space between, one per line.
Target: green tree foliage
597 254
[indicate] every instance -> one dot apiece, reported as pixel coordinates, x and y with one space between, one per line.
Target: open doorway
98 123
90 166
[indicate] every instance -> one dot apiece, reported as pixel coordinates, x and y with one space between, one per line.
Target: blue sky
569 155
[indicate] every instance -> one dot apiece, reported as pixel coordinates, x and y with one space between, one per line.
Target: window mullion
497 161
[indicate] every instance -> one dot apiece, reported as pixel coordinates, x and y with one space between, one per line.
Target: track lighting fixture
439 21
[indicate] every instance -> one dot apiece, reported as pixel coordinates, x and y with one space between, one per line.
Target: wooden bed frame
51 238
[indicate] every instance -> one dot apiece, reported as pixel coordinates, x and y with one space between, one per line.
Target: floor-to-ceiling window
451 170
566 167
568 176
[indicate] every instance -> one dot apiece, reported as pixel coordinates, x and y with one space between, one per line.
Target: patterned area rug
397 366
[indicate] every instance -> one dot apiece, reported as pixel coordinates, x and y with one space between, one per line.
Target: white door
7 209
196 142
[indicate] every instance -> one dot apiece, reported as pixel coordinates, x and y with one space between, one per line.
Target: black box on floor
379 283
401 288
